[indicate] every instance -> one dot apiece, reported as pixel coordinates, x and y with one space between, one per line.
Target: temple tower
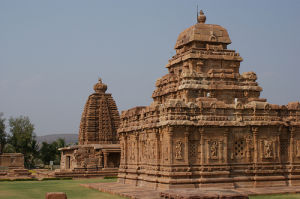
100 118
98 151
207 125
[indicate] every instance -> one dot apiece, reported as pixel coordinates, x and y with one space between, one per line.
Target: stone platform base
19 172
87 174
15 174
187 193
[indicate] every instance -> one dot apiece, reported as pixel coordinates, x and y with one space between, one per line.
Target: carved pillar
207 151
202 146
261 149
186 145
255 144
220 144
157 146
249 143
162 157
105 159
125 153
100 163
226 145
136 137
170 143
292 134
278 143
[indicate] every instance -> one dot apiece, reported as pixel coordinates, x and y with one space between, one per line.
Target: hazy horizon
52 52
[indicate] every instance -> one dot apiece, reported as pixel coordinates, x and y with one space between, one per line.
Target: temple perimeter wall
12 160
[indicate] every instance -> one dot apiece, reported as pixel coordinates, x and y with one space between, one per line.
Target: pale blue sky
52 52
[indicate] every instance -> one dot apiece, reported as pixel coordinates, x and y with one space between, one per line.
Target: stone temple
207 125
98 151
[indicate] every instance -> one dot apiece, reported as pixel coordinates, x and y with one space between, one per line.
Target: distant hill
69 138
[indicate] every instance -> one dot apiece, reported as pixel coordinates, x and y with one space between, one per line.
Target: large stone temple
98 151
208 125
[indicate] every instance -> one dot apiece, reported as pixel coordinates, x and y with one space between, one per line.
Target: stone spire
100 118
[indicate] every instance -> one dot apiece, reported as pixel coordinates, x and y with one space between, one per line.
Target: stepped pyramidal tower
98 152
208 125
100 118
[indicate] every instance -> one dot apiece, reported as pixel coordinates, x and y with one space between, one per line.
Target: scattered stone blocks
56 195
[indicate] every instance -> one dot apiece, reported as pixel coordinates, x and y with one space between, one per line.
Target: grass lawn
279 196
38 189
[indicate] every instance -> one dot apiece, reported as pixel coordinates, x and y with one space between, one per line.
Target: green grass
279 196
38 189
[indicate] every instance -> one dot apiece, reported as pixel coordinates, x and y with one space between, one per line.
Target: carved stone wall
12 160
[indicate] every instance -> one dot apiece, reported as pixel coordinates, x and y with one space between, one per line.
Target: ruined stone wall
12 160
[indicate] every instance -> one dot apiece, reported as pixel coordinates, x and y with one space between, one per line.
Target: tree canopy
3 135
22 138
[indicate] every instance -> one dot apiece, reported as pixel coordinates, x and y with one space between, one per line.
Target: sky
52 52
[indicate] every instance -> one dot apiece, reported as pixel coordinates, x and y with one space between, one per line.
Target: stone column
170 144
202 146
186 146
255 158
162 154
157 145
292 134
226 145
220 144
100 160
105 153
136 136
278 144
125 149
255 144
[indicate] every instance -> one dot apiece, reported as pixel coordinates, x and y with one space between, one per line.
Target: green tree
46 153
61 143
22 137
8 148
3 135
50 152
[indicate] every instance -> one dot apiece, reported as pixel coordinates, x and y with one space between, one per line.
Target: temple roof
202 32
100 118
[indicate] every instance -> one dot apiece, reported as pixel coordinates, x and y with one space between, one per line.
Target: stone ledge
131 191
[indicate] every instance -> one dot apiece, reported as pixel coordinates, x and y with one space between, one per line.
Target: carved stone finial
100 87
201 18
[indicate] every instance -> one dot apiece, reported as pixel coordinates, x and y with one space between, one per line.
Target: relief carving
298 148
178 150
268 149
213 149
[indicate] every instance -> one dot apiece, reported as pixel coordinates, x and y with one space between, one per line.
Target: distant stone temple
98 151
207 125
